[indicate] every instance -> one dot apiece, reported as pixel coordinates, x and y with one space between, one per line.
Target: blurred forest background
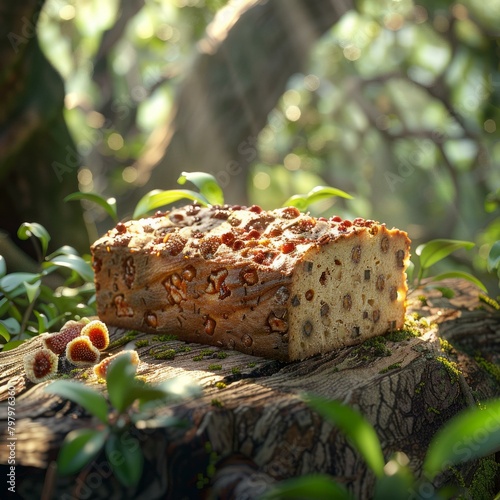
396 102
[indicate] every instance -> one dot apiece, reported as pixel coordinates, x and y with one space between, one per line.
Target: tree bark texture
254 430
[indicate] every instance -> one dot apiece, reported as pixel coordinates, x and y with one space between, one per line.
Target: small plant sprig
318 193
494 260
132 404
28 306
434 251
209 193
394 479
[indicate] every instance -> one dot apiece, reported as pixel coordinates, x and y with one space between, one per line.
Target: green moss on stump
164 338
166 354
492 369
394 366
483 483
123 340
451 367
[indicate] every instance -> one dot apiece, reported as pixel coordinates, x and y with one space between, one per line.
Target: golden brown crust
227 276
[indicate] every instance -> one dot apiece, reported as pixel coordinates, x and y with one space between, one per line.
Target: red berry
253 235
288 247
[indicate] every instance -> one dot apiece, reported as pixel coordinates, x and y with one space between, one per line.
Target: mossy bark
250 427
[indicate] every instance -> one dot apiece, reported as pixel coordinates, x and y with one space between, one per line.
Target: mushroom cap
101 369
40 365
81 352
98 334
58 341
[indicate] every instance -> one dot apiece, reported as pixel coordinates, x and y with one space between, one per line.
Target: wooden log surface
250 427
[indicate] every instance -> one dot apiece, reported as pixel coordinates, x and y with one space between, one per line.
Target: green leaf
206 183
447 293
4 332
28 229
172 390
15 313
312 486
142 421
73 262
79 448
32 290
120 379
146 393
435 250
409 271
494 257
64 250
12 345
125 456
43 322
157 198
13 280
358 430
93 401
297 200
107 204
4 306
12 325
319 193
302 201
181 387
397 480
473 433
463 275
3 267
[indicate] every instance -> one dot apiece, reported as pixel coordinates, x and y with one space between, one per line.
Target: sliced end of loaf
346 292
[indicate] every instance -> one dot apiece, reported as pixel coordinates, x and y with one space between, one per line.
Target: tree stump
250 428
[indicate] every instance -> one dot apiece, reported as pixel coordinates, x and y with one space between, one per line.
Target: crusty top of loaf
275 239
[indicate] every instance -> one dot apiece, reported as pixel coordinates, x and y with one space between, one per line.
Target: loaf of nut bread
279 284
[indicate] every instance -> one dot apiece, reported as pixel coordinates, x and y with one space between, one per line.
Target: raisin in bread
278 284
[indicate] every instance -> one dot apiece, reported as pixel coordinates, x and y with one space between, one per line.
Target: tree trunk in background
38 159
234 83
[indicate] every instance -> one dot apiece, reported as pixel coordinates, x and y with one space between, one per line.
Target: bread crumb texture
279 284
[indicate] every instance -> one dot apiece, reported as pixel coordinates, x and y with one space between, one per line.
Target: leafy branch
319 193
434 251
494 259
130 408
28 306
209 193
